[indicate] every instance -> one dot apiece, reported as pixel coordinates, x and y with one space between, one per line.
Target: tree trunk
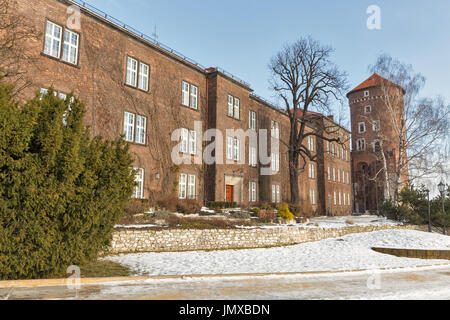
293 177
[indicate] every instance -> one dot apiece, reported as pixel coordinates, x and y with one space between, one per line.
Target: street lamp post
441 187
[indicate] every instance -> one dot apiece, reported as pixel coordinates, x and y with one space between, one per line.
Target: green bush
284 212
220 205
61 192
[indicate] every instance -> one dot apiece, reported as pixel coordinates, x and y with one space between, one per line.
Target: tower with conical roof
375 147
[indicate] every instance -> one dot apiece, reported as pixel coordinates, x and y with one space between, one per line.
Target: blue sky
241 35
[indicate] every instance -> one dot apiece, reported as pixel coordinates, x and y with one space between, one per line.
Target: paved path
425 283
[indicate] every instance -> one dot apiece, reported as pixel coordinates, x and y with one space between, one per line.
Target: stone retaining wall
148 240
416 253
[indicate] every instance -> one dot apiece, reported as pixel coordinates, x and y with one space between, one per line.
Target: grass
104 268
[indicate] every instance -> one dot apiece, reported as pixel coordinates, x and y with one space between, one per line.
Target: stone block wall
148 240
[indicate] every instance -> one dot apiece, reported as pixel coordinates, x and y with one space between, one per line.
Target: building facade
170 109
375 143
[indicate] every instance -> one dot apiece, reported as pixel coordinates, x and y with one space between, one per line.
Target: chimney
331 117
211 69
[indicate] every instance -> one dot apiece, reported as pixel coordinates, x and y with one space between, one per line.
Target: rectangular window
338 150
252 120
237 108
184 140
194 97
230 105
253 157
311 144
313 196
348 198
312 171
340 199
52 44
141 125
191 187
189 95
361 127
334 174
182 186
328 146
276 194
339 175
332 149
128 126
132 68
144 72
275 162
139 187
367 109
329 173
192 142
234 107
185 94
376 125
252 191
348 177
335 198
230 148
343 195
70 48
236 149
360 144
275 129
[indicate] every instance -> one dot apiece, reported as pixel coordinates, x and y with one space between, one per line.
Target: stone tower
375 147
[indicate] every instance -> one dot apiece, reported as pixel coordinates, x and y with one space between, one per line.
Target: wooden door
229 193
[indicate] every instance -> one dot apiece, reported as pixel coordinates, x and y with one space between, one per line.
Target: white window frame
329 173
275 162
274 129
335 198
361 144
141 128
237 108
366 93
143 79
230 106
69 47
139 178
334 174
185 93
376 126
128 127
349 200
230 142
184 140
182 192
339 175
50 39
276 193
312 195
367 109
252 194
340 198
132 73
192 142
363 126
191 186
312 171
311 144
193 101
236 149
252 120
253 160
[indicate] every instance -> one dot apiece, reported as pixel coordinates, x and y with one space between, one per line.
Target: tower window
366 93
367 109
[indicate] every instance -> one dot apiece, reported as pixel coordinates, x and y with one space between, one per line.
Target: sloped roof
373 81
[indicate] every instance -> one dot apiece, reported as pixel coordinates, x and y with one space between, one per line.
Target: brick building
161 100
374 140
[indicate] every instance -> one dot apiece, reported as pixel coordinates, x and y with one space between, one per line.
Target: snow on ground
335 222
350 252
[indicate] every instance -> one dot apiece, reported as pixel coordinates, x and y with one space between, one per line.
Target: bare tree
15 33
304 77
420 126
